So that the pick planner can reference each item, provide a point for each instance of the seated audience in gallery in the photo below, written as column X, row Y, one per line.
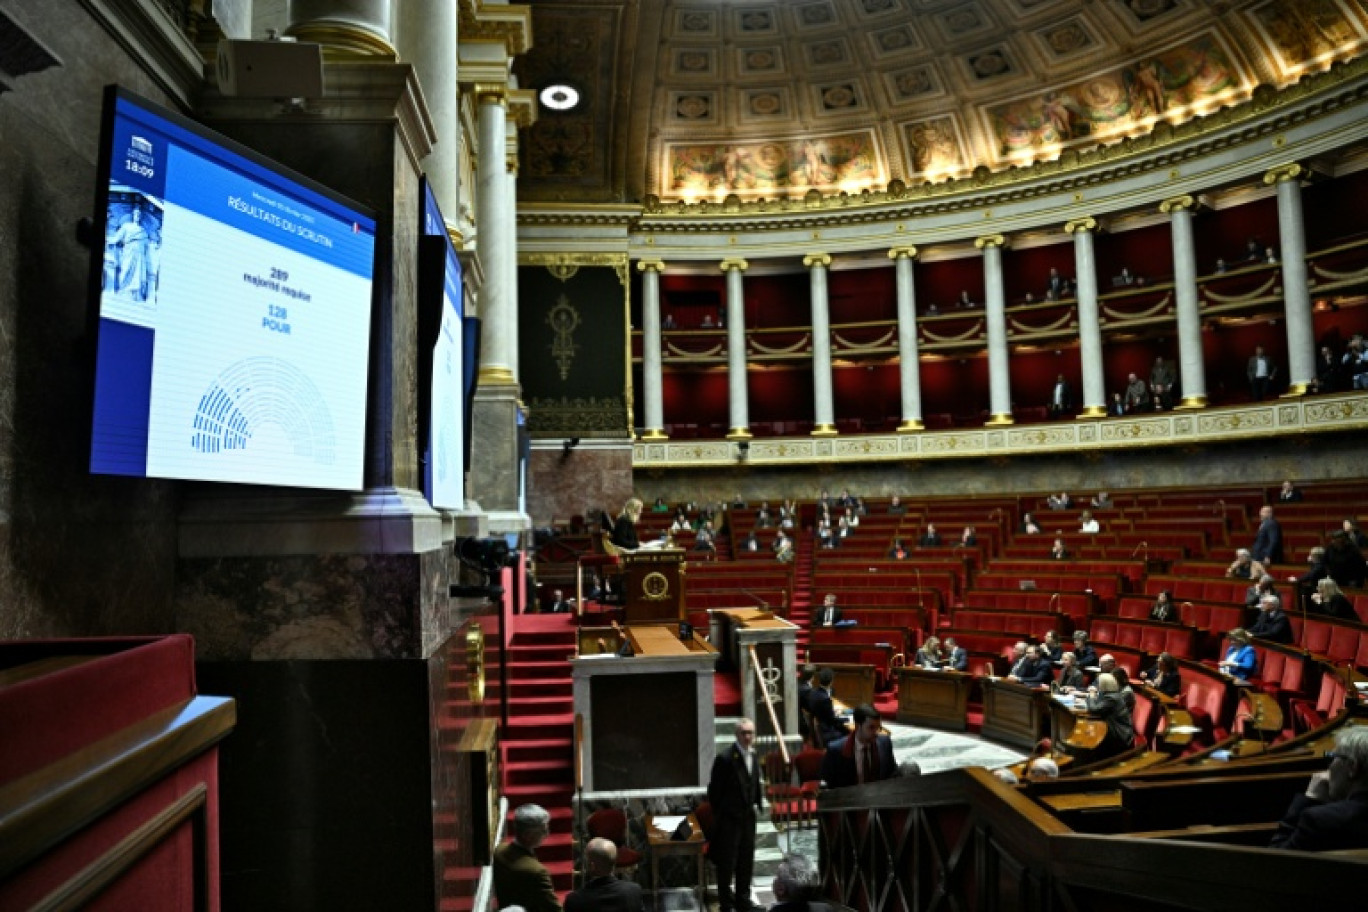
column 1057, row 283
column 1163, row 379
column 1254, row 251
column 1050, row 647
column 1058, row 551
column 1354, row 364
column 1087, row 656
column 1289, row 493
column 1327, row 371
column 829, row 615
column 703, row 540
column 1117, row 407
column 1258, row 589
column 707, row 321
column 1333, row 811
column 826, row 537
column 660, row 506
column 969, row 537
column 1088, row 523
column 1261, row 371
column 1137, row 394
column 1164, row 676
column 1070, row 675
column 852, row 518
column 860, row 508
column 783, row 548
column 895, row 506
column 843, row 528
column 1329, row 600
column 1221, row 267
column 930, row 538
column 929, row 656
column 847, row 499
column 1164, row 609
column 898, row 551
column 1030, row 667
column 1240, row 661
column 1101, row 501
column 1316, row 570
column 956, row 656
column 751, row 543
column 1029, row 525
column 763, row 518
column 667, row 321
column 1243, row 565
column 965, row 302
column 1109, row 705
column 1344, row 560
column 1060, row 501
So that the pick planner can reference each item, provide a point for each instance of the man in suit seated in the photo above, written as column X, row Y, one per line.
column 795, row 880
column 956, row 656
column 829, row 728
column 930, row 538
column 863, row 757
column 1272, row 623
column 602, row 892
column 1031, row 669
column 559, row 605
column 1333, row 813
column 519, row 879
column 828, row 615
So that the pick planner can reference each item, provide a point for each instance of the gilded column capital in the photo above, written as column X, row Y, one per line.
column 1288, row 172
column 1085, row 224
column 344, row 40
column 511, row 164
column 816, row 259
column 736, row 263
column 898, row 253
column 490, row 93
column 1178, row 204
column 645, row 265
column 522, row 107
column 990, row 240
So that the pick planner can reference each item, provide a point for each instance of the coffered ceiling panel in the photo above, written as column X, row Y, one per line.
column 702, row 99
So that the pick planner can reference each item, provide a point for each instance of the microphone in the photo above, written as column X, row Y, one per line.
column 1054, row 600
column 917, row 570
column 1142, row 546
column 755, row 598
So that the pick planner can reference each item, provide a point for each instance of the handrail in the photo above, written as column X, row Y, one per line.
column 578, row 758
column 769, row 704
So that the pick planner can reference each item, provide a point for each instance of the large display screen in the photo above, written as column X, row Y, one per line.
column 441, row 307
column 234, row 301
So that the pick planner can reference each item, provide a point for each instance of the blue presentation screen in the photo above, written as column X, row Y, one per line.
column 446, row 422
column 234, row 312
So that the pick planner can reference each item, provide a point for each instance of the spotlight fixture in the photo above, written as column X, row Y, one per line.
column 560, row 97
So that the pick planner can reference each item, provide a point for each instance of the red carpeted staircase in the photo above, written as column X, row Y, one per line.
column 537, row 744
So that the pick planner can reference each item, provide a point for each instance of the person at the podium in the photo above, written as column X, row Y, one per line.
column 734, row 791
column 519, row 878
column 863, row 757
column 602, row 892
column 624, row 533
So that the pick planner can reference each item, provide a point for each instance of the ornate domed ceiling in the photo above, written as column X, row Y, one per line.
column 691, row 100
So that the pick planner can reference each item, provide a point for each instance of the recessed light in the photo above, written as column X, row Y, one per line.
column 560, row 97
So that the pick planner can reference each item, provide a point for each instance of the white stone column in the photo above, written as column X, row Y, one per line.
column 498, row 302
column 1301, row 334
column 1089, row 319
column 426, row 34
column 651, row 363
column 999, row 375
column 909, row 365
column 824, row 420
column 1191, row 364
column 510, row 259
column 357, row 27
column 736, row 350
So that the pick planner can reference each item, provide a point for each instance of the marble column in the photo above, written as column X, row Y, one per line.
column 498, row 306
column 1191, row 366
column 653, row 402
column 736, row 350
column 427, row 38
column 999, row 376
column 1089, row 319
column 510, row 257
column 1301, row 337
column 346, row 27
column 909, row 365
column 824, row 421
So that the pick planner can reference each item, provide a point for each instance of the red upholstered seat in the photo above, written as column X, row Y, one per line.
column 1343, row 646
column 611, row 824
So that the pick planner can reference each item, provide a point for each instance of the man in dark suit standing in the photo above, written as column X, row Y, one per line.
column 866, row 756
column 1333, row 813
column 828, row 615
column 734, row 790
column 1267, row 547
column 602, row 892
column 519, row 879
column 829, row 728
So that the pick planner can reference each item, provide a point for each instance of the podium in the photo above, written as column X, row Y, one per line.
column 653, row 586
column 735, row 631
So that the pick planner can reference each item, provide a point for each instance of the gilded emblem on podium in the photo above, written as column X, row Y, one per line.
column 655, row 586
column 475, row 663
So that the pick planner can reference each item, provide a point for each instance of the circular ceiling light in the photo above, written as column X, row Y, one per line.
column 560, row 97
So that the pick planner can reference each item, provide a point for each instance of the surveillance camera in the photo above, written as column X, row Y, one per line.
column 270, row 69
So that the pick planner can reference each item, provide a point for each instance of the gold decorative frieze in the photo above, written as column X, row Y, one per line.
column 510, row 23
column 569, row 416
column 1253, row 423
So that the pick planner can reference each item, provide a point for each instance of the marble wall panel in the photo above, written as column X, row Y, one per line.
column 563, row 484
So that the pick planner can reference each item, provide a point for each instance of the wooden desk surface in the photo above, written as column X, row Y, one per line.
column 753, row 618
column 1082, row 801
column 662, row 640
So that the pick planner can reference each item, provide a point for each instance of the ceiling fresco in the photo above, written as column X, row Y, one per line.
column 692, row 100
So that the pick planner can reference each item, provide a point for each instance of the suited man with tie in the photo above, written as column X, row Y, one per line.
column 559, row 605
column 735, row 790
column 866, row 756
column 957, row 657
column 829, row 728
column 1030, row 669
column 828, row 615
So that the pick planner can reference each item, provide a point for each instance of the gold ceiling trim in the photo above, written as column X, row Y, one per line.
column 1253, row 114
